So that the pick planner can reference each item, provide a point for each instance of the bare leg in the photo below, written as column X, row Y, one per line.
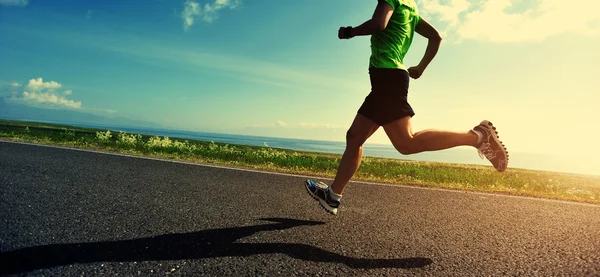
column 401, row 136
column 362, row 128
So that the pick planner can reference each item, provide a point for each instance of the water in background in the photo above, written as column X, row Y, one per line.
column 461, row 155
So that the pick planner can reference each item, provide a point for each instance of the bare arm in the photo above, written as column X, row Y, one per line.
column 433, row 45
column 381, row 17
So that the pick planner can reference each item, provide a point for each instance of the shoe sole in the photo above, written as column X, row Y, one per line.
column 321, row 202
column 497, row 140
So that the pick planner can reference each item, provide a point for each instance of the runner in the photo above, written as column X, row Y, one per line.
column 392, row 29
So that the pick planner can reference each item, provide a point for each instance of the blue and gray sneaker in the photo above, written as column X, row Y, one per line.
column 320, row 192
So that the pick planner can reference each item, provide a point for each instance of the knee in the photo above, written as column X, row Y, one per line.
column 353, row 140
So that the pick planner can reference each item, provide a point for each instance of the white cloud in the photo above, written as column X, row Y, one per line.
column 40, row 93
column 192, row 10
column 39, row 84
column 448, row 12
column 14, row 2
column 49, row 98
column 280, row 124
column 511, row 20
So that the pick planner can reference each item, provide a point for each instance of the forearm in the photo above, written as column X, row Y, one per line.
column 366, row 29
column 433, row 45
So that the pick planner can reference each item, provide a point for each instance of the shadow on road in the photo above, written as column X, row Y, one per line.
column 194, row 245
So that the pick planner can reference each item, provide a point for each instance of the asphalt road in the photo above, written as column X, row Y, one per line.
column 77, row 213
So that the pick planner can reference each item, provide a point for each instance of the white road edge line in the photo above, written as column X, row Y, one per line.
column 296, row 175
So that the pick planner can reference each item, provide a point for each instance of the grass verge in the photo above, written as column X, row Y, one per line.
column 552, row 185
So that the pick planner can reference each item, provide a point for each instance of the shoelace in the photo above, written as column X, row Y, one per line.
column 485, row 151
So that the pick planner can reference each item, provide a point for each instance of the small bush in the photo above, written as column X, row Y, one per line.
column 103, row 137
column 128, row 139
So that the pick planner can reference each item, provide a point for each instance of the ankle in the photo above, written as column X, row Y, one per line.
column 334, row 195
column 478, row 137
column 334, row 188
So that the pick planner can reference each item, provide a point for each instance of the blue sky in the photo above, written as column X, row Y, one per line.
column 277, row 68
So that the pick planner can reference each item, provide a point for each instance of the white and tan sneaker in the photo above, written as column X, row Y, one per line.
column 490, row 146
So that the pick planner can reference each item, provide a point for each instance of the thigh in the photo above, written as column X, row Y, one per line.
column 399, row 131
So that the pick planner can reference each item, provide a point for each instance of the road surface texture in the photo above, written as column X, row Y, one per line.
column 79, row 213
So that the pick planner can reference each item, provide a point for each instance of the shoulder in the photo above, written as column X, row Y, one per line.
column 394, row 3
column 408, row 3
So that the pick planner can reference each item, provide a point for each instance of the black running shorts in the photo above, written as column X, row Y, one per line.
column 387, row 101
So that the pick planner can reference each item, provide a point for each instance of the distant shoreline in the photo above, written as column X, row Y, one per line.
column 458, row 156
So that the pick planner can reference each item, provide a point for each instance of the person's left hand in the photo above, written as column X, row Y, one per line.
column 342, row 33
column 415, row 72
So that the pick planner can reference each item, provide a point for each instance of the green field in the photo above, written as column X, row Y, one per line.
column 574, row 187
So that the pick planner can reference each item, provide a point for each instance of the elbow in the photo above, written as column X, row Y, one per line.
column 436, row 38
column 379, row 25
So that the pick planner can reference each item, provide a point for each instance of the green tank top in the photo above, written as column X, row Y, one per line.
column 388, row 47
